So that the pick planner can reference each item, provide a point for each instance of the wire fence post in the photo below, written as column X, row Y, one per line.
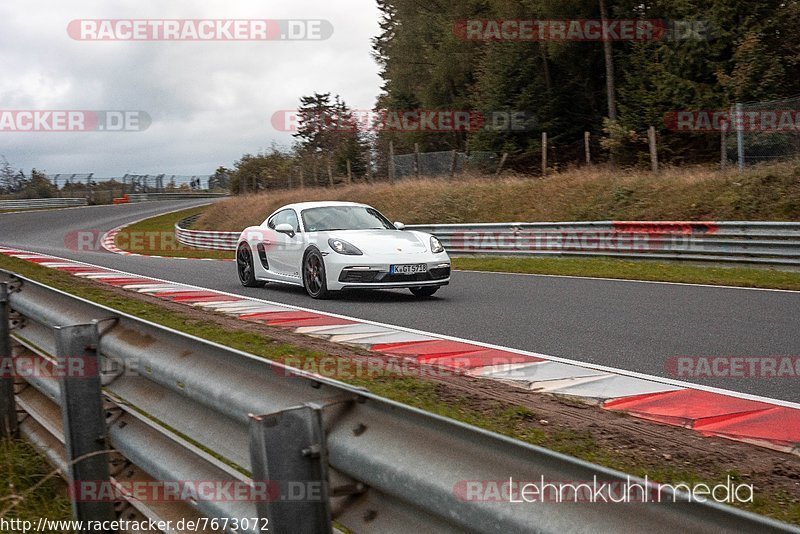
column 453, row 163
column 651, row 139
column 8, row 406
column 349, row 172
column 740, row 135
column 83, row 418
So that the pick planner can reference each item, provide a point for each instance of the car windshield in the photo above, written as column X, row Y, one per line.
column 331, row 218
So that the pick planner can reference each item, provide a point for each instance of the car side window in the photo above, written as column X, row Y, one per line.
column 284, row 217
column 292, row 219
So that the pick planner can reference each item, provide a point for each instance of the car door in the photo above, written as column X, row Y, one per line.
column 284, row 251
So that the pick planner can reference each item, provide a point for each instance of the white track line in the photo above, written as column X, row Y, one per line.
column 630, row 280
column 603, row 368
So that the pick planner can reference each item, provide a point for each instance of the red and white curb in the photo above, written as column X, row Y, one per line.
column 711, row 411
column 109, row 243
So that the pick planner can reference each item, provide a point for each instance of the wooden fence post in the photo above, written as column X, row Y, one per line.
column 544, row 153
column 586, row 136
column 391, row 162
column 349, row 173
column 723, row 146
column 502, row 162
column 416, row 160
column 651, row 136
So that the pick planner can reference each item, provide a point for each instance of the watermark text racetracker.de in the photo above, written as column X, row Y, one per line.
column 28, row 366
column 61, row 120
column 591, row 30
column 200, row 30
column 718, row 120
column 743, row 367
column 408, row 120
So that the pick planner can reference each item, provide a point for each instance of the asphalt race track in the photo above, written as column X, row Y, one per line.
column 628, row 325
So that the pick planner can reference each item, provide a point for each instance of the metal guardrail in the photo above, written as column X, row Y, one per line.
column 174, row 407
column 203, row 238
column 40, row 203
column 149, row 197
column 771, row 243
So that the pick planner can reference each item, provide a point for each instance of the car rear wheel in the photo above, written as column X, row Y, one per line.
column 314, row 278
column 245, row 268
column 424, row 291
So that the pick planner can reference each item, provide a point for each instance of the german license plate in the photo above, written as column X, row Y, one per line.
column 408, row 269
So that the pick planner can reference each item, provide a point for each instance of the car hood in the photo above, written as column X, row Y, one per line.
column 383, row 241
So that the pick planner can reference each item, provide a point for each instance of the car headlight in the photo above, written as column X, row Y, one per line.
column 436, row 245
column 343, row 247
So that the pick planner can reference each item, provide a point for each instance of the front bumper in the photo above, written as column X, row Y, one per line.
column 347, row 272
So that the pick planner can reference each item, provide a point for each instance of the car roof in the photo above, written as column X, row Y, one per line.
column 299, row 206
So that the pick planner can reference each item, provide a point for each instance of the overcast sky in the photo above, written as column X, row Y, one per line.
column 210, row 102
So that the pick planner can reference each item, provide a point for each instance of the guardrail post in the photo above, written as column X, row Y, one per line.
column 288, row 454
column 84, row 421
column 8, row 406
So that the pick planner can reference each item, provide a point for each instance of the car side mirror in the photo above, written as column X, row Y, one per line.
column 399, row 226
column 285, row 228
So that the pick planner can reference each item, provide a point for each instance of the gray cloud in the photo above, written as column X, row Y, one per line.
column 209, row 101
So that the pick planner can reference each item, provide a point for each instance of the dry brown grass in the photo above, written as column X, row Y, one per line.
column 768, row 192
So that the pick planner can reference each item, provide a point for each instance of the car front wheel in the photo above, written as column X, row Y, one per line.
column 424, row 291
column 245, row 268
column 314, row 278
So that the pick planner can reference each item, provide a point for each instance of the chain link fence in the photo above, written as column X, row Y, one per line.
column 763, row 131
column 445, row 163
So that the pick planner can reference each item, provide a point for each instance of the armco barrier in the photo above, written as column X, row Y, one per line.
column 204, row 239
column 149, row 197
column 41, row 203
column 179, row 408
column 770, row 243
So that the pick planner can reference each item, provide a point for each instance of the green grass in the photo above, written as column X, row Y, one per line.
column 155, row 237
column 634, row 270
column 510, row 420
column 24, row 476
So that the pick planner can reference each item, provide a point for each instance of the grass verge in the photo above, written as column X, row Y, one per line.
column 516, row 421
column 768, row 192
column 24, row 493
column 634, row 270
column 156, row 237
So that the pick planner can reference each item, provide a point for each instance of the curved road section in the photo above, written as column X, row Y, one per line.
column 637, row 326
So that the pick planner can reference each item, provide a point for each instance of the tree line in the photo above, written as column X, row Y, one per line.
column 707, row 56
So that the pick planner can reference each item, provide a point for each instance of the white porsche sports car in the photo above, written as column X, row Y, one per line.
column 329, row 246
